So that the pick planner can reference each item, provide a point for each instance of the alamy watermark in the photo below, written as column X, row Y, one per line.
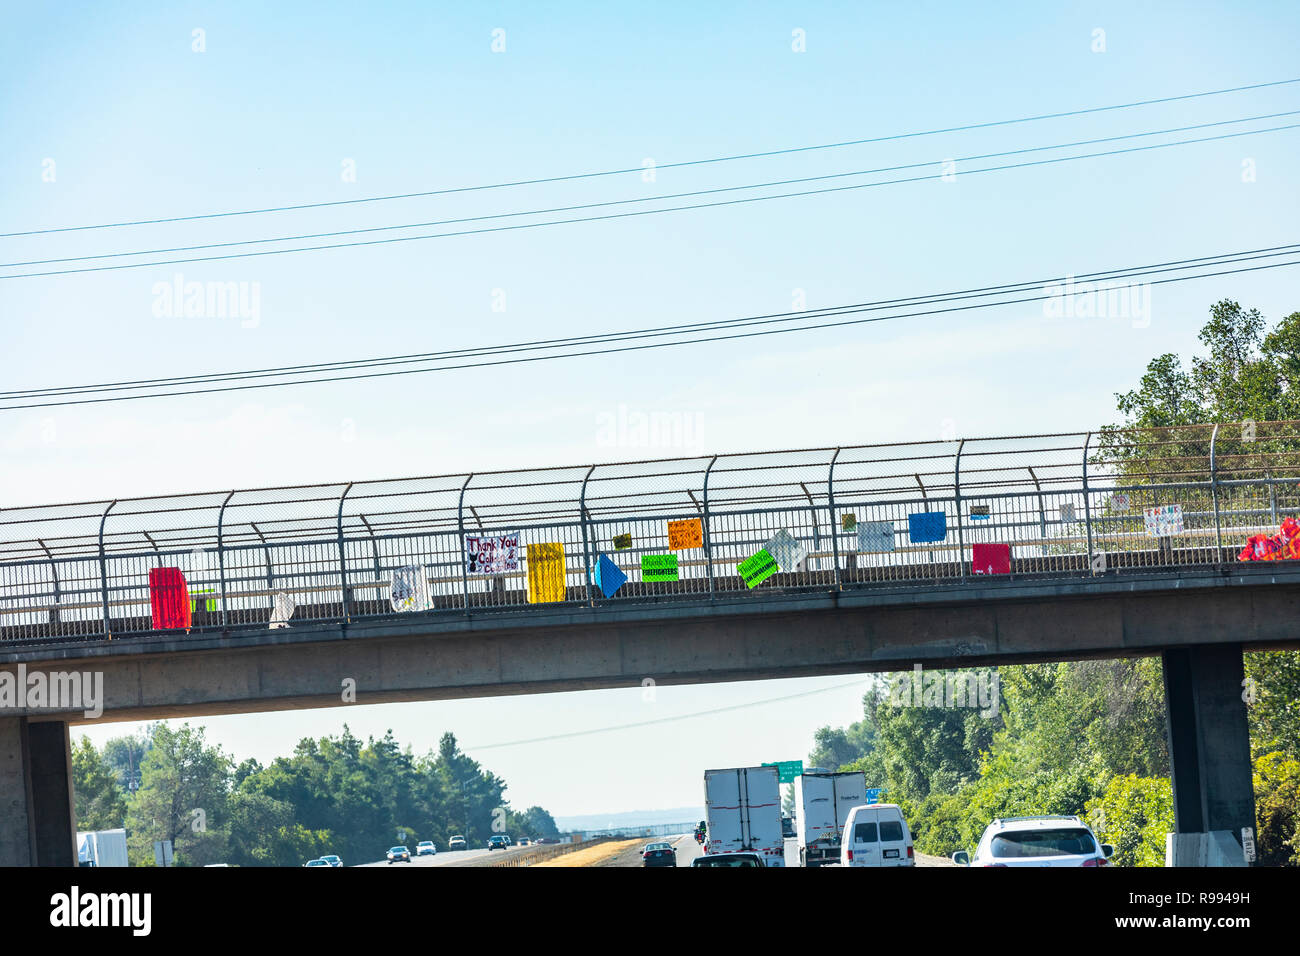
column 637, row 428
column 179, row 299
column 972, row 689
column 1102, row 300
column 57, row 690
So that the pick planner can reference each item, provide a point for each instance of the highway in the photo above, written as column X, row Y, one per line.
column 451, row 858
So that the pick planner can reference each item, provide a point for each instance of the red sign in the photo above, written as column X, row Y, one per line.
column 990, row 558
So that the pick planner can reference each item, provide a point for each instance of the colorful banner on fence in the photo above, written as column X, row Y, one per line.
column 491, row 553
column 545, row 572
column 609, row 577
column 990, row 559
column 169, row 599
column 1163, row 520
column 659, row 567
column 757, row 568
column 685, row 534
column 410, row 589
column 785, row 550
column 876, row 536
column 927, row 526
column 848, row 522
column 622, row 542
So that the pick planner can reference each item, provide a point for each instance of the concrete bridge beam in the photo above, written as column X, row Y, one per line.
column 36, row 794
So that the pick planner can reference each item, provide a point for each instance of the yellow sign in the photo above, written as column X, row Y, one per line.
column 685, row 534
column 545, row 572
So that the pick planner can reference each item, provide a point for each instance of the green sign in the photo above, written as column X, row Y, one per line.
column 658, row 567
column 757, row 569
column 210, row 604
column 622, row 542
column 787, row 770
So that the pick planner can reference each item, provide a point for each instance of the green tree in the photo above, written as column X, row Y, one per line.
column 182, row 798
column 1277, row 810
column 1133, row 815
column 98, row 800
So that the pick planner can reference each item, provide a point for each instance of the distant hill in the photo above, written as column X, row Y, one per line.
column 591, row 821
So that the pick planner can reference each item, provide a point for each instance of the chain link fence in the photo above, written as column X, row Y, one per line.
column 918, row 514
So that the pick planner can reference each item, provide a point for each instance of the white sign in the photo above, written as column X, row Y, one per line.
column 785, row 550
column 282, row 610
column 876, row 536
column 1248, row 843
column 491, row 554
column 410, row 589
column 1119, row 502
column 1163, row 520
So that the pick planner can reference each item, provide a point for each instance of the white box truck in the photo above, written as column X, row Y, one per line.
column 742, row 811
column 102, row 848
column 822, row 804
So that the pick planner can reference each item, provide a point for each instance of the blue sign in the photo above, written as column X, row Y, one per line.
column 608, row 576
column 927, row 526
column 875, row 793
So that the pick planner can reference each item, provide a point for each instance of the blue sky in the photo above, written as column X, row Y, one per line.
column 138, row 125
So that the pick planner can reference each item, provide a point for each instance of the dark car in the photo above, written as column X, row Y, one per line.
column 729, row 859
column 399, row 854
column 659, row 854
column 787, row 827
column 498, row 842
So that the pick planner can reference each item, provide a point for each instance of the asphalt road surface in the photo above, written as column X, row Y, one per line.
column 450, row 858
column 688, row 849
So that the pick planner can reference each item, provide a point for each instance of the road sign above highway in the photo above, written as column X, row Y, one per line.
column 787, row 770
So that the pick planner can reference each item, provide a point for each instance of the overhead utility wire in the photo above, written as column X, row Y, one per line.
column 642, row 199
column 643, row 212
column 630, row 348
column 657, row 331
column 678, row 165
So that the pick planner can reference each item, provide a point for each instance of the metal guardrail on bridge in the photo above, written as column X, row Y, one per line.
column 918, row 514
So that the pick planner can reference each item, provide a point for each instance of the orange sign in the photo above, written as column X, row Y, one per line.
column 685, row 534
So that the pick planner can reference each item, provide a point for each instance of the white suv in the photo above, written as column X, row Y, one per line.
column 1037, row 841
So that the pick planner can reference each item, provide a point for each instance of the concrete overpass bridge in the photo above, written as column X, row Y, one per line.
column 736, row 567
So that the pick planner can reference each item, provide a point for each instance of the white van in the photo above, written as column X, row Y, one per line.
column 876, row 835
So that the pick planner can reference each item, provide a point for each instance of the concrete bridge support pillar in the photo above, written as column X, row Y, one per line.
column 37, row 827
column 1209, row 755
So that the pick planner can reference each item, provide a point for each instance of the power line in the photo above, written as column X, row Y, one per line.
column 657, row 331
column 643, row 199
column 678, row 165
column 663, row 720
column 644, row 212
column 631, row 348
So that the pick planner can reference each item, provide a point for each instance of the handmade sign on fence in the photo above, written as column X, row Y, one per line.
column 491, row 553
column 1163, row 520
column 545, row 572
column 608, row 576
column 410, row 589
column 282, row 608
column 685, row 534
column 876, row 536
column 622, row 542
column 990, row 559
column 659, row 567
column 757, row 568
column 927, row 526
column 786, row 550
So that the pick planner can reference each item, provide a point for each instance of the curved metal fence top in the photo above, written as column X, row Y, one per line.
column 939, row 470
